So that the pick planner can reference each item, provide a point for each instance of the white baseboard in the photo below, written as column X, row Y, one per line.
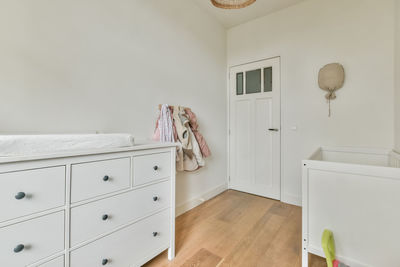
column 291, row 199
column 194, row 202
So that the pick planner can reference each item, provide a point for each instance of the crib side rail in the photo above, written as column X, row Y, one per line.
column 364, row 196
column 394, row 159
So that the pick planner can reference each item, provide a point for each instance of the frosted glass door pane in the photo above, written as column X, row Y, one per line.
column 253, row 81
column 268, row 79
column 239, row 83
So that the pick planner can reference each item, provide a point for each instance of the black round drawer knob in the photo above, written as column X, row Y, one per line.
column 20, row 195
column 19, row 248
column 155, row 168
column 104, row 262
column 104, row 217
column 155, row 198
column 106, row 178
column 155, row 234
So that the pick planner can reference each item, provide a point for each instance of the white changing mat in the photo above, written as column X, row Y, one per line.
column 27, row 145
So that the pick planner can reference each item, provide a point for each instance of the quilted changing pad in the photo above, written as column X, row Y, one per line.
column 27, row 145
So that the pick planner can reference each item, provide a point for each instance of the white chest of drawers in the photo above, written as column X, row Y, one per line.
column 86, row 209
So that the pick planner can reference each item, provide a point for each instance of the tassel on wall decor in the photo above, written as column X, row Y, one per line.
column 331, row 79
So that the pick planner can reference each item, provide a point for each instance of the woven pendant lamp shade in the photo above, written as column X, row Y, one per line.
column 232, row 4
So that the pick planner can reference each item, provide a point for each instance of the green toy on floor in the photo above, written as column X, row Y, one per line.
column 328, row 245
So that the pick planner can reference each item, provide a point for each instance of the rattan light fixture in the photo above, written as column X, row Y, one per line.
column 232, row 4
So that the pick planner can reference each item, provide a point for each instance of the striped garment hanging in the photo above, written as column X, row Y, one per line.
column 165, row 125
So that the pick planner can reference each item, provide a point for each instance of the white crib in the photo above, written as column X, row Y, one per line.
column 354, row 192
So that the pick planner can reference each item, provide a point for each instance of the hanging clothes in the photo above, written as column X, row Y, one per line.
column 183, row 138
column 180, row 125
column 189, row 163
column 165, row 125
column 179, row 159
column 196, row 150
column 181, row 128
column 205, row 150
column 162, row 118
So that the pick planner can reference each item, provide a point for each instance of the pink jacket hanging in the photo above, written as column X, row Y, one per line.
column 205, row 150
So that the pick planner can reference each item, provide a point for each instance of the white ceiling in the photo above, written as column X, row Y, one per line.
column 230, row 18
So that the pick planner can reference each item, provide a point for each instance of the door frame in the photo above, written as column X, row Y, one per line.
column 228, row 133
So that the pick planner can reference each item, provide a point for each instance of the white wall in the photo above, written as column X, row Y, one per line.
column 97, row 65
column 397, row 77
column 360, row 35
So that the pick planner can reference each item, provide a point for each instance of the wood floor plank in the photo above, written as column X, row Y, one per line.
column 281, row 209
column 316, row 261
column 255, row 242
column 285, row 248
column 203, row 258
column 238, row 229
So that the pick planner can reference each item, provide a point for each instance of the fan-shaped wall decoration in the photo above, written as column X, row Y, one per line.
column 232, row 4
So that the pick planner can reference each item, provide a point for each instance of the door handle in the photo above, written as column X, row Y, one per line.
column 273, row 130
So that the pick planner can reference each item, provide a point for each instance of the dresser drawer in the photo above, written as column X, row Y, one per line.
column 127, row 246
column 27, row 192
column 93, row 219
column 152, row 167
column 93, row 179
column 27, row 242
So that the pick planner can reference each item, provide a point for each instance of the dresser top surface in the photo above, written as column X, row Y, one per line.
column 144, row 145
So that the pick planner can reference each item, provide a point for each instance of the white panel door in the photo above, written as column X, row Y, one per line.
column 255, row 128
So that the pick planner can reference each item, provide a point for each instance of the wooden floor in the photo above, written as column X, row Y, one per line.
column 238, row 229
